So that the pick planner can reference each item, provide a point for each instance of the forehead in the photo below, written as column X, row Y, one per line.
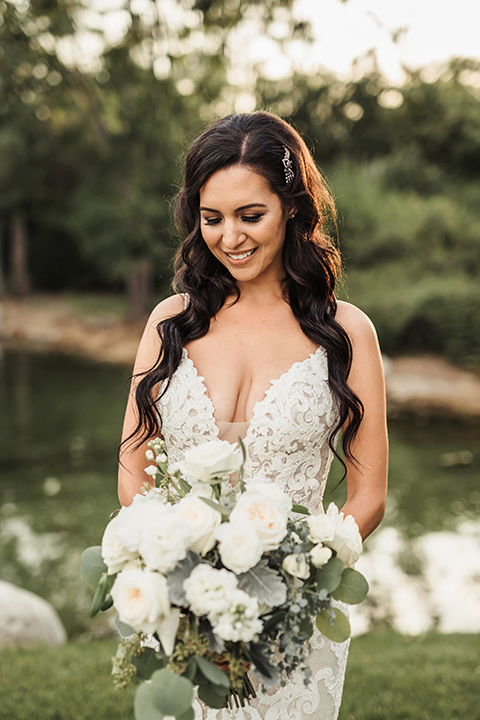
column 236, row 186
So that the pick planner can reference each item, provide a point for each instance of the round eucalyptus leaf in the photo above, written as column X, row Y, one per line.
column 329, row 576
column 172, row 694
column 92, row 566
column 337, row 630
column 212, row 672
column 353, row 587
column 143, row 706
column 189, row 715
column 212, row 695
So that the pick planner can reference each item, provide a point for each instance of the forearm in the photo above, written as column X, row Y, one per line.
column 367, row 511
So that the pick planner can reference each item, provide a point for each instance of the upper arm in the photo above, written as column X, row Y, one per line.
column 131, row 472
column 368, row 476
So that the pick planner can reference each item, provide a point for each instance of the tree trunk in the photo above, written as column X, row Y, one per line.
column 139, row 289
column 19, row 275
column 2, row 271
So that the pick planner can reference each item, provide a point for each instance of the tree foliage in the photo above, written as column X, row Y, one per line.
column 90, row 155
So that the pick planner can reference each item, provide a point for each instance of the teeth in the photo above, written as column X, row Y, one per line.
column 242, row 256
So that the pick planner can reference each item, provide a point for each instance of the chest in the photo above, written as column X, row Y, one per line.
column 238, row 360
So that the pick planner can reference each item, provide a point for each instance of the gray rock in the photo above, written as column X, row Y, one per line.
column 26, row 619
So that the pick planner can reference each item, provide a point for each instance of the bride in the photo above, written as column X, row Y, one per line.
column 256, row 345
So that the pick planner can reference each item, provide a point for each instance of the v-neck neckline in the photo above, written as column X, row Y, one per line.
column 259, row 403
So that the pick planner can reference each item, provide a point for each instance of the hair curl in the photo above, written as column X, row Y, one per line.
column 311, row 260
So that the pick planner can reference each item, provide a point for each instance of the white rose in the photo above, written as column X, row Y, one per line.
column 208, row 590
column 201, row 519
column 266, row 515
column 319, row 555
column 270, row 489
column 347, row 541
column 297, row 566
column 114, row 553
column 211, row 460
column 164, row 540
column 241, row 621
column 240, row 547
column 132, row 519
column 321, row 528
column 141, row 599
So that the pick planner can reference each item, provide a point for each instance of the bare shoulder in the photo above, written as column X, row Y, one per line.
column 166, row 308
column 149, row 347
column 356, row 323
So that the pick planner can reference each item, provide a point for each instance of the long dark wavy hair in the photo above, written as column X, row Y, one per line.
column 310, row 258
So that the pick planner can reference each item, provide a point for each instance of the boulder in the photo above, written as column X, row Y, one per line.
column 26, row 619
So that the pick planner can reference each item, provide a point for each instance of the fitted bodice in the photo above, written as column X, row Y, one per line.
column 287, row 436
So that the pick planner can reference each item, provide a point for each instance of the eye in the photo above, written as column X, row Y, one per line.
column 211, row 221
column 252, row 218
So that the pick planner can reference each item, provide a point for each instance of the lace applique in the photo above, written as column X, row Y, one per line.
column 287, row 442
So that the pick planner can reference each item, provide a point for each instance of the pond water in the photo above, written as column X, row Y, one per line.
column 61, row 420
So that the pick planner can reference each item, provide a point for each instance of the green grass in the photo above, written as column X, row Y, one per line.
column 393, row 677
column 67, row 683
column 389, row 677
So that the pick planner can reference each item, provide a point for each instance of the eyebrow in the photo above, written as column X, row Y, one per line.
column 243, row 207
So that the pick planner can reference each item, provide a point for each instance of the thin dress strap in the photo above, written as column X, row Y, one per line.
column 185, row 300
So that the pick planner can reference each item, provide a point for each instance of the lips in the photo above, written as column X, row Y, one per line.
column 240, row 258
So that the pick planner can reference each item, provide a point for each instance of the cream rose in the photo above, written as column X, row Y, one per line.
column 296, row 565
column 240, row 547
column 141, row 599
column 208, row 590
column 267, row 516
column 114, row 553
column 320, row 554
column 131, row 520
column 347, row 541
column 201, row 520
column 263, row 486
column 164, row 540
column 321, row 528
column 211, row 461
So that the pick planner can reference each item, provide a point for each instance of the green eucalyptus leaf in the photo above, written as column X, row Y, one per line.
column 191, row 671
column 212, row 695
column 143, row 706
column 147, row 663
column 300, row 509
column 188, row 715
column 353, row 587
column 330, row 575
column 124, row 629
column 212, row 672
column 338, row 629
column 92, row 566
column 172, row 694
column 306, row 627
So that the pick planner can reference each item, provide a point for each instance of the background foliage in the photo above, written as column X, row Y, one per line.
column 90, row 159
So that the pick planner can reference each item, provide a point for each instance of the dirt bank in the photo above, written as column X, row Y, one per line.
column 53, row 323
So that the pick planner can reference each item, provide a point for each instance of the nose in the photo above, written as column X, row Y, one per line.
column 233, row 236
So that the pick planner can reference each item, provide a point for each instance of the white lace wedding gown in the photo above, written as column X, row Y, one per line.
column 287, row 442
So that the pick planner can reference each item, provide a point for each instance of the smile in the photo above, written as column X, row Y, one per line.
column 241, row 256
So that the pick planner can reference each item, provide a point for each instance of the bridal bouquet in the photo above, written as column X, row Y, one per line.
column 214, row 576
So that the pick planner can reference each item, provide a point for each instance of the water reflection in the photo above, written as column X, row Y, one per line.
column 61, row 420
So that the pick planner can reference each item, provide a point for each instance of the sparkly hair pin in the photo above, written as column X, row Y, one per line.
column 288, row 166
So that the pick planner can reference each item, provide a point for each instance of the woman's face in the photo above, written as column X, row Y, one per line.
column 243, row 224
